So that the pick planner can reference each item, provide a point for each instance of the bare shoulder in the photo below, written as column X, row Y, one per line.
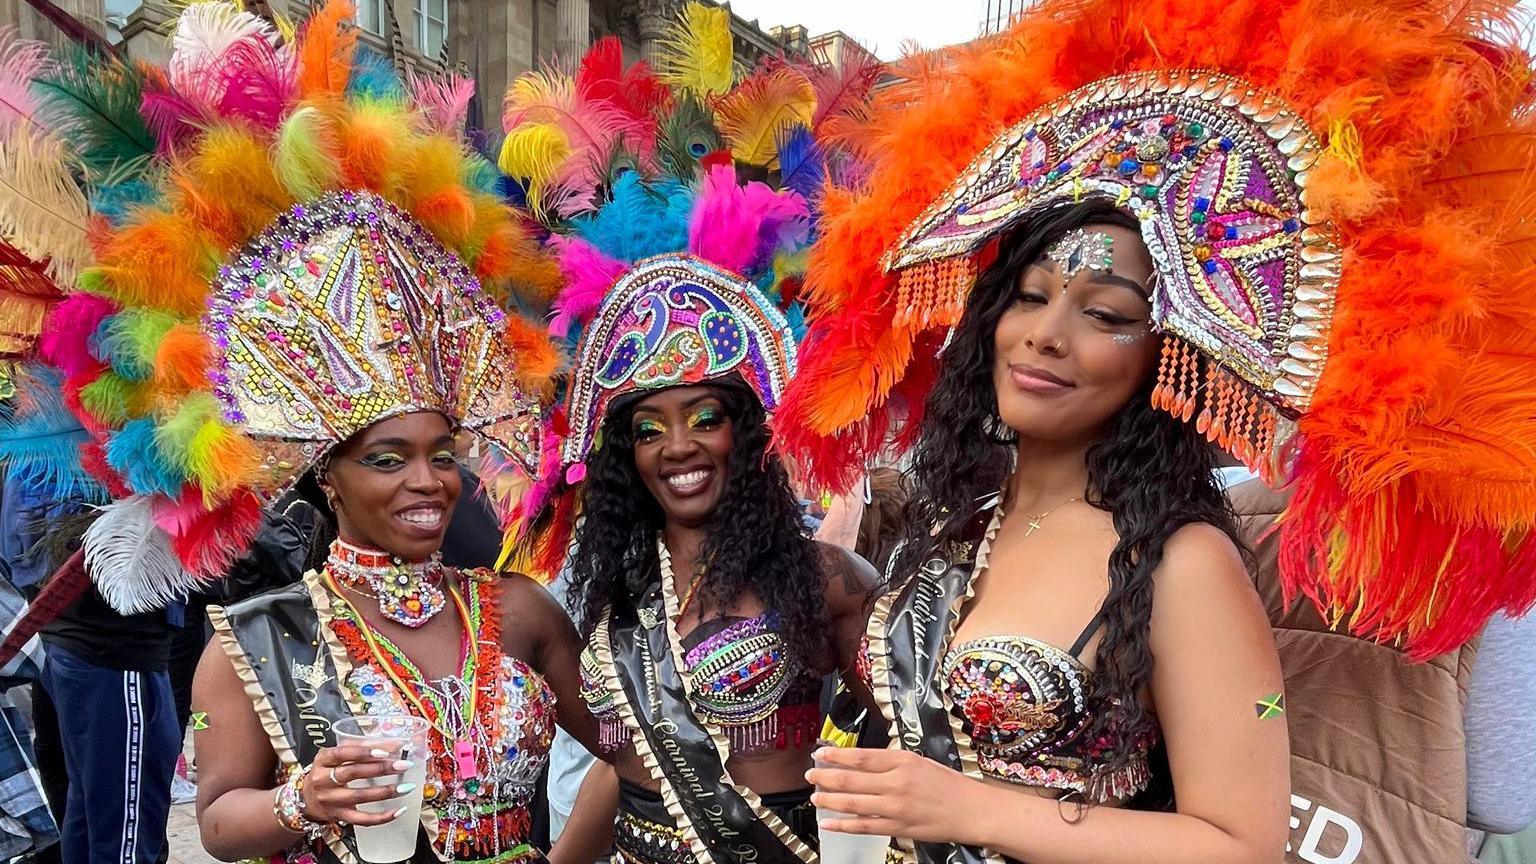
column 1199, row 558
column 1202, row 586
column 525, row 599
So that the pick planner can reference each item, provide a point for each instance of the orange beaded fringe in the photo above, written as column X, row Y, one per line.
column 1230, row 413
column 932, row 293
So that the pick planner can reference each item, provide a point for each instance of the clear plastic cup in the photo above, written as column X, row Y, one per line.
column 840, row 848
column 404, row 737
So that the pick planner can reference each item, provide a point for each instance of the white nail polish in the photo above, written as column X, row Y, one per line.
column 402, row 765
column 404, row 789
column 398, row 813
column 378, row 753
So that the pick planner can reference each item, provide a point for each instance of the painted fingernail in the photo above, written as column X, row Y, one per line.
column 402, row 765
column 378, row 753
column 404, row 788
column 398, row 813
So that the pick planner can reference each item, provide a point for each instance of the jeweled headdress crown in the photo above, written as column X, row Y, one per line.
column 1340, row 251
column 293, row 244
column 678, row 268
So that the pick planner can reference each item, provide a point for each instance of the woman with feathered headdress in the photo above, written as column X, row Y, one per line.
column 298, row 279
column 710, row 617
column 1088, row 249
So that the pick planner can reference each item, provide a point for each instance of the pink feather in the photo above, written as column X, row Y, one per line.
column 20, row 62
column 65, row 342
column 593, row 127
column 172, row 116
column 442, row 100
column 176, row 516
column 542, row 490
column 588, row 276
column 635, row 91
column 209, row 541
column 740, row 227
column 842, row 91
column 259, row 81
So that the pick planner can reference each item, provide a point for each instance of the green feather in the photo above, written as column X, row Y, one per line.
column 687, row 135
column 620, row 162
column 131, row 340
column 110, row 398
column 94, row 103
column 179, row 435
column 301, row 156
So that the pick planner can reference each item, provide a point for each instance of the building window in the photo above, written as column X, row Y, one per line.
column 371, row 16
column 431, row 26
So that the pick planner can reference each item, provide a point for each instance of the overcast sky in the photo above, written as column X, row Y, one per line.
column 878, row 24
column 884, row 24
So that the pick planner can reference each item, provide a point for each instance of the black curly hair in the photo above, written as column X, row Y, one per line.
column 754, row 541
column 1152, row 473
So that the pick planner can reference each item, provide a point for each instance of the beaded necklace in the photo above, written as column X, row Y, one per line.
column 408, row 593
column 481, row 665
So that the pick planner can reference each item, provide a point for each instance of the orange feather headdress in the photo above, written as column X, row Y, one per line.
column 1338, row 195
column 290, row 244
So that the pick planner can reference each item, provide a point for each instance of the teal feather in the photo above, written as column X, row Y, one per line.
column 130, row 339
column 40, row 439
column 374, row 77
column 481, row 175
column 642, row 220
column 94, row 104
column 132, row 453
column 116, row 202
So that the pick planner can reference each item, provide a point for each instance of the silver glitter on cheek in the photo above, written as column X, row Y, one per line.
column 1129, row 338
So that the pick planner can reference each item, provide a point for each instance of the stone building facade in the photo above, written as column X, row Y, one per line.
column 493, row 41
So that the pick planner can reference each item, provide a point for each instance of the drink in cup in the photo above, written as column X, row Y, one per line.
column 840, row 848
column 404, row 737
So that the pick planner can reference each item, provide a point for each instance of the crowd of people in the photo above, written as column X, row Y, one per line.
column 1109, row 440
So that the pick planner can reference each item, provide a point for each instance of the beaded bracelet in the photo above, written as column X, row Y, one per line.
column 288, row 807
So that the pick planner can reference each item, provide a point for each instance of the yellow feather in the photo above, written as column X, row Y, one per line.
column 285, row 27
column 42, row 210
column 696, row 55
column 754, row 114
column 305, row 153
column 534, row 152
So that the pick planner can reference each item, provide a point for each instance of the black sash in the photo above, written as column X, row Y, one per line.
column 723, row 823
column 909, row 633
column 271, row 638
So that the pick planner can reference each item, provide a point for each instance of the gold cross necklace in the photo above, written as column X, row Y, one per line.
column 1037, row 519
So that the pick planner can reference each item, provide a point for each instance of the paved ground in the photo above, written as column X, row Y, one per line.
column 182, row 832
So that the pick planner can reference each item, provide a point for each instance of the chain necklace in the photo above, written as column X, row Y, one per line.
column 1036, row 520
column 408, row 594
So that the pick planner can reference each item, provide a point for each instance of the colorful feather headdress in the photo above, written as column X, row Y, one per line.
column 290, row 245
column 43, row 245
column 678, row 269
column 1337, row 195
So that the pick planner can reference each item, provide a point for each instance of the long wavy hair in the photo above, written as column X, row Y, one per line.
column 754, row 540
column 1152, row 473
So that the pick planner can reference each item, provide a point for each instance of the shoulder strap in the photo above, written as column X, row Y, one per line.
column 1083, row 638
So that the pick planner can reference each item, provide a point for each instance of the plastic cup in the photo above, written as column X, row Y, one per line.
column 840, row 848
column 405, row 738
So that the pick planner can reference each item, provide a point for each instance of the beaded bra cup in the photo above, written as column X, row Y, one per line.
column 747, row 680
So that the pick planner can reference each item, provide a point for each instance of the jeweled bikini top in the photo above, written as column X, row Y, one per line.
column 1027, row 707
column 745, row 680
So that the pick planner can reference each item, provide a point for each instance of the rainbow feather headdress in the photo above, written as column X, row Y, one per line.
column 678, row 268
column 290, row 245
column 1337, row 196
